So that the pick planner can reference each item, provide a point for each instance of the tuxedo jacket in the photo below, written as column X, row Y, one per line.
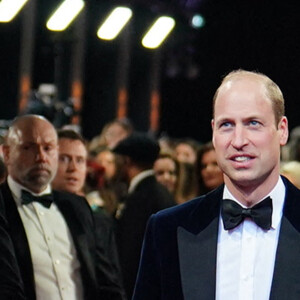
column 96, row 278
column 180, row 249
column 11, row 285
column 148, row 198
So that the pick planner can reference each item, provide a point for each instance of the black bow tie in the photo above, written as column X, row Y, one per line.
column 233, row 214
column 45, row 200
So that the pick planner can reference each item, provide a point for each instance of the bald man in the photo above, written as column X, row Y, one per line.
column 52, row 232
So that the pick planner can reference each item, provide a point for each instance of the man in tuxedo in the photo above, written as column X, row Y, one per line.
column 145, row 197
column 53, row 233
column 70, row 177
column 242, row 240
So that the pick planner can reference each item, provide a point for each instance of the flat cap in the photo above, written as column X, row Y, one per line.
column 139, row 147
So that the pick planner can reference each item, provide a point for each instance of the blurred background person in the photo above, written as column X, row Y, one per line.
column 111, row 134
column 186, row 150
column 166, row 144
column 209, row 173
column 179, row 178
column 107, row 159
column 145, row 197
column 291, row 151
column 166, row 169
column 109, row 187
column 291, row 170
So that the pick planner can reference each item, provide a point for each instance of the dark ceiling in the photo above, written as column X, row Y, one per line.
column 251, row 34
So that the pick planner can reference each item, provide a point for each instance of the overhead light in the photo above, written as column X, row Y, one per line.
column 114, row 23
column 197, row 21
column 10, row 8
column 64, row 15
column 158, row 32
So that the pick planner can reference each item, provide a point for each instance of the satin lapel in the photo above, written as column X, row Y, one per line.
column 19, row 238
column 286, row 278
column 197, row 255
column 198, row 250
column 79, row 233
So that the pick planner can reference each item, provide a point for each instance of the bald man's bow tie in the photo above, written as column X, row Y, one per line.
column 45, row 200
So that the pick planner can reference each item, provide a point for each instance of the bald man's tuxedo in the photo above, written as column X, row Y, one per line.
column 98, row 282
column 180, row 249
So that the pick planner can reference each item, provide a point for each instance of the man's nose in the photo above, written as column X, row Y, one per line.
column 239, row 138
column 41, row 154
column 167, row 175
column 72, row 166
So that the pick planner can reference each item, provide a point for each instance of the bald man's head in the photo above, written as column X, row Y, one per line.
column 31, row 152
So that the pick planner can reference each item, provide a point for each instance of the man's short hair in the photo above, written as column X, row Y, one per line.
column 71, row 135
column 272, row 90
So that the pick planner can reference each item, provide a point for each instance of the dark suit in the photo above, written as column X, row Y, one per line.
column 180, row 248
column 148, row 197
column 11, row 285
column 96, row 280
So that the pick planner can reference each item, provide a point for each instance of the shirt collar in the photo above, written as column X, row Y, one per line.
column 17, row 188
column 138, row 178
column 277, row 195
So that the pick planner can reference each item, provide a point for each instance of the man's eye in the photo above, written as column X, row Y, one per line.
column 64, row 159
column 81, row 160
column 225, row 124
column 254, row 123
column 48, row 148
column 25, row 147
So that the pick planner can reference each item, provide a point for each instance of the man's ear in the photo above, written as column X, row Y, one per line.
column 284, row 131
column 5, row 150
column 212, row 122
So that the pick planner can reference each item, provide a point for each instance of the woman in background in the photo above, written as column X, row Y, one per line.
column 209, row 173
column 178, row 178
column 166, row 170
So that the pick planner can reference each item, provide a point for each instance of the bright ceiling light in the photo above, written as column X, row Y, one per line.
column 197, row 21
column 64, row 15
column 158, row 32
column 10, row 8
column 114, row 23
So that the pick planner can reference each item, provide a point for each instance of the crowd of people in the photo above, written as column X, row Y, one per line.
column 74, row 213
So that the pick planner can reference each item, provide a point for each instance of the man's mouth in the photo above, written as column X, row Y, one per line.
column 72, row 179
column 41, row 170
column 241, row 158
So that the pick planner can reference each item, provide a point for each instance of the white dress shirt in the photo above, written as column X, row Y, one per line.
column 246, row 254
column 55, row 264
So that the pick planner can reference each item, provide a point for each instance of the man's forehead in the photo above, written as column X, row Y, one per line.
column 244, row 88
column 34, row 139
column 70, row 146
column 248, row 80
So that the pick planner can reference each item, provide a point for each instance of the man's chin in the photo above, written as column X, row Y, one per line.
column 40, row 179
column 72, row 188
